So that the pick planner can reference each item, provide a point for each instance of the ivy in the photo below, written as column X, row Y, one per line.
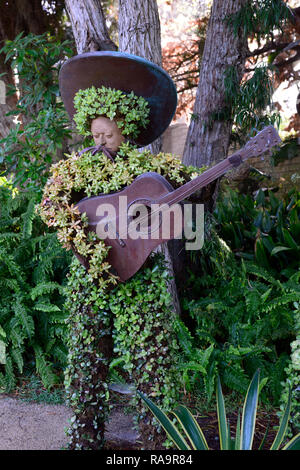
column 90, row 175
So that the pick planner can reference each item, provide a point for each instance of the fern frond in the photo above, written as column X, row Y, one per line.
column 28, row 216
column 9, row 378
column 282, row 300
column 260, row 272
column 25, row 320
column 45, row 288
column 184, row 337
column 17, row 356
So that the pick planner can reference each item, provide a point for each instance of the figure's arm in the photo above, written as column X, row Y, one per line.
column 57, row 209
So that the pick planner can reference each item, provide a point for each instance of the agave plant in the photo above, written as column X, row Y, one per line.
column 192, row 437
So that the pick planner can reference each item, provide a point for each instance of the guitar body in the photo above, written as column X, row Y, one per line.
column 119, row 219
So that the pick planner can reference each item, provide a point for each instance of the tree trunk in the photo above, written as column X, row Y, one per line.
column 139, row 34
column 208, row 138
column 88, row 25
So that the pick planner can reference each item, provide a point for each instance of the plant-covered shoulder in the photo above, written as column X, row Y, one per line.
column 128, row 110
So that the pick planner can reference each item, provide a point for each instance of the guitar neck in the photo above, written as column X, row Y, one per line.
column 200, row 181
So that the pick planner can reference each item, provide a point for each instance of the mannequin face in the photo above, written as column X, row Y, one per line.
column 106, row 132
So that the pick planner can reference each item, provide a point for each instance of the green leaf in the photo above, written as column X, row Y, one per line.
column 249, row 413
column 191, row 428
column 223, row 432
column 289, row 240
column 278, row 249
column 25, row 320
column 283, row 425
column 293, row 444
column 238, row 434
column 46, row 308
column 168, row 426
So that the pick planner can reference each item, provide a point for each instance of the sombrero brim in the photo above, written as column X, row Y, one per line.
column 124, row 72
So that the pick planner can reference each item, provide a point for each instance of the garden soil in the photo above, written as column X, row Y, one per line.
column 35, row 426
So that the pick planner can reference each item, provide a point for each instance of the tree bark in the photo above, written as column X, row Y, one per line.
column 139, row 34
column 208, row 139
column 88, row 25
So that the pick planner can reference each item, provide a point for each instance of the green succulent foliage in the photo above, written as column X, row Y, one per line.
column 130, row 111
column 264, row 229
column 32, row 315
column 29, row 149
column 187, row 435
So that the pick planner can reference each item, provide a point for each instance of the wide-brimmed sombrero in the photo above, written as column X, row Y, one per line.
column 127, row 73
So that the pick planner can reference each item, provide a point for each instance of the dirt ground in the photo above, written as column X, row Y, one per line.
column 35, row 426
column 32, row 426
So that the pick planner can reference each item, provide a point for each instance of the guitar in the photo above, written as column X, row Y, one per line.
column 134, row 221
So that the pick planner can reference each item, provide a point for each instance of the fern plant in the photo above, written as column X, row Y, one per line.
column 32, row 272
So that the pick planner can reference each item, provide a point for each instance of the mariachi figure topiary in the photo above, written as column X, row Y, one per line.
column 124, row 103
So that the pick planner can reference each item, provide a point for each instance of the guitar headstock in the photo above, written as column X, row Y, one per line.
column 262, row 142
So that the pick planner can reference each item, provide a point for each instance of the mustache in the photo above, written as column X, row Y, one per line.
column 100, row 148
